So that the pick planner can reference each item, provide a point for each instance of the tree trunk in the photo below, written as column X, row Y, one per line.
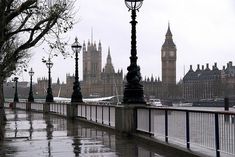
column 2, row 100
column 2, row 112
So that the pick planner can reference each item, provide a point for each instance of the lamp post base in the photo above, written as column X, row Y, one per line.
column 77, row 95
column 49, row 97
column 30, row 98
column 16, row 99
column 133, row 94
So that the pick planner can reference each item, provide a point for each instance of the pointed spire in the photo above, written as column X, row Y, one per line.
column 84, row 46
column 58, row 81
column 168, row 33
column 89, row 43
column 109, row 66
column 95, row 45
column 169, row 44
column 99, row 47
column 109, row 60
column 109, row 51
column 152, row 79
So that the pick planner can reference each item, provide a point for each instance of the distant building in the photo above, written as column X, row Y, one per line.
column 168, row 55
column 112, row 81
column 96, row 82
column 209, row 84
column 202, row 83
column 165, row 88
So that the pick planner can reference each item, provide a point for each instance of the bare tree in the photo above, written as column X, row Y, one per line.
column 25, row 23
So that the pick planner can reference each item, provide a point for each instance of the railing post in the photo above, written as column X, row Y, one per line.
column 166, row 126
column 81, row 111
column 13, row 105
column 72, row 110
column 28, row 106
column 102, row 114
column 109, row 117
column 96, row 113
column 90, row 113
column 187, row 130
column 149, row 121
column 46, row 107
column 217, row 142
column 86, row 111
column 60, row 109
column 126, row 118
column 135, row 118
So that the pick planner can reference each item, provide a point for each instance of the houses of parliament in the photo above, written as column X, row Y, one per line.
column 98, row 81
column 105, row 81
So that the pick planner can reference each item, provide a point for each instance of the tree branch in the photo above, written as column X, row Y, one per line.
column 31, row 42
column 17, row 11
column 19, row 29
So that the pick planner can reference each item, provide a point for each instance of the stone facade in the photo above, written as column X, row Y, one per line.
column 96, row 82
column 209, row 84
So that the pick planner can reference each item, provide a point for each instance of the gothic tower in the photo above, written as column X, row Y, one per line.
column 92, row 60
column 168, row 55
column 109, row 66
column 112, row 81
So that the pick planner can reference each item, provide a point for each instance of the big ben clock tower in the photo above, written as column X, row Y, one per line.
column 168, row 53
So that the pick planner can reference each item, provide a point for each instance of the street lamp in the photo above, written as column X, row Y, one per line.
column 30, row 98
column 133, row 91
column 16, row 99
column 49, row 97
column 77, row 95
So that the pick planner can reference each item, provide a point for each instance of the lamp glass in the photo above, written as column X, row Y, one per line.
column 49, row 64
column 134, row 4
column 31, row 72
column 76, row 46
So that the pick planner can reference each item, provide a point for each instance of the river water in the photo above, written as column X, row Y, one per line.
column 35, row 134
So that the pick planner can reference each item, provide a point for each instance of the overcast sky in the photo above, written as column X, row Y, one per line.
column 203, row 32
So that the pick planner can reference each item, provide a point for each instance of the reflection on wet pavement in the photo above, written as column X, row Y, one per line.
column 35, row 134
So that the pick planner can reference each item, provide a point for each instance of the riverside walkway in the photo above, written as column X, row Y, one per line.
column 151, row 131
column 37, row 134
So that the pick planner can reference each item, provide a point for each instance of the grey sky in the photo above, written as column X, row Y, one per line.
column 203, row 32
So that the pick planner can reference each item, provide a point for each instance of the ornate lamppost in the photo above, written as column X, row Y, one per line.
column 16, row 99
column 77, row 95
column 31, row 98
column 133, row 91
column 49, row 97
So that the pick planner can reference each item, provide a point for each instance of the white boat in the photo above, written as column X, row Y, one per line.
column 155, row 102
column 62, row 99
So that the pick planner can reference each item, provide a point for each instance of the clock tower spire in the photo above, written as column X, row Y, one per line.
column 168, row 55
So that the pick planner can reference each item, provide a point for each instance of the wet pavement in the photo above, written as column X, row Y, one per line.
column 35, row 134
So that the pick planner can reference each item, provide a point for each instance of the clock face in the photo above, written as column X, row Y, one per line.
column 172, row 53
column 163, row 53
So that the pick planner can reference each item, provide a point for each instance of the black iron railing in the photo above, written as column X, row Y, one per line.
column 191, row 128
